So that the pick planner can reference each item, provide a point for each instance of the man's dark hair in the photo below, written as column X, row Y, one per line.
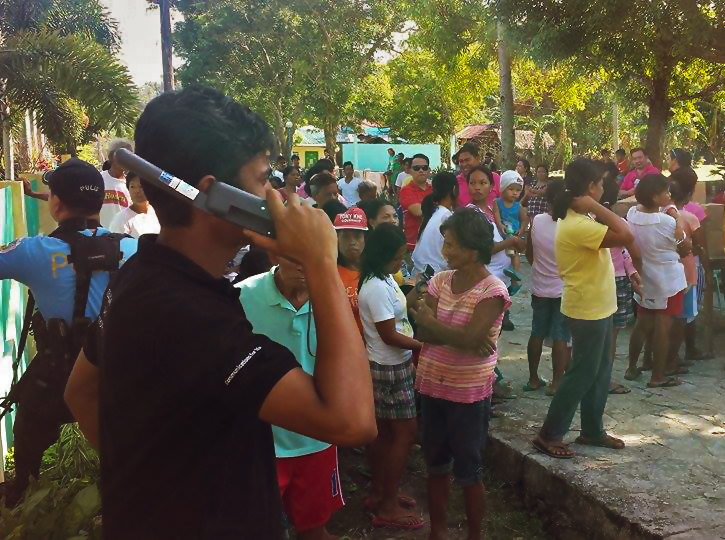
column 420, row 156
column 321, row 180
column 637, row 149
column 621, row 152
column 649, row 187
column 333, row 208
column 472, row 231
column 319, row 166
column 542, row 166
column 408, row 161
column 470, row 148
column 295, row 157
column 348, row 163
column 193, row 133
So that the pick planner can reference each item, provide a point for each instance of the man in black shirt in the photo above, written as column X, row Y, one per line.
column 187, row 390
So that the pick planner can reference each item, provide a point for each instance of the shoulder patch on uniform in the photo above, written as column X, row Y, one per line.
column 11, row 246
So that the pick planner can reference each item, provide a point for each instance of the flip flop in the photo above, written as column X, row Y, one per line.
column 605, row 442
column 671, row 381
column 405, row 523
column 403, row 500
column 632, row 374
column 542, row 384
column 548, row 449
column 619, row 389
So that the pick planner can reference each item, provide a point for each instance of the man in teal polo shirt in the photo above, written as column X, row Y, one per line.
column 277, row 305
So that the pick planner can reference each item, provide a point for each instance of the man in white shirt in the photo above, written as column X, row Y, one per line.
column 116, row 197
column 139, row 218
column 349, row 183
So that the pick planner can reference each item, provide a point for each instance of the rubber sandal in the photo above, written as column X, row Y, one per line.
column 619, row 389
column 542, row 384
column 546, row 449
column 671, row 381
column 632, row 374
column 406, row 523
column 511, row 273
column 605, row 442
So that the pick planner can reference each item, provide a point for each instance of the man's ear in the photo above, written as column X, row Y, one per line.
column 205, row 183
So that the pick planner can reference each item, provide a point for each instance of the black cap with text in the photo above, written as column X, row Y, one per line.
column 77, row 183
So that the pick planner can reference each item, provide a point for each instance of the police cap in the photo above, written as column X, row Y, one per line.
column 78, row 184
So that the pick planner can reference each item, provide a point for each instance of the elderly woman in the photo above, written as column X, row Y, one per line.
column 459, row 321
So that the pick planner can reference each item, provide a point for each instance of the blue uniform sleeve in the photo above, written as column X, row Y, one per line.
column 16, row 260
column 128, row 247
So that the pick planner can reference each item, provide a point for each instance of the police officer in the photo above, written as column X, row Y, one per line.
column 67, row 273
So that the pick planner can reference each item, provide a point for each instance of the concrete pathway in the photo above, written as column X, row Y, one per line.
column 669, row 482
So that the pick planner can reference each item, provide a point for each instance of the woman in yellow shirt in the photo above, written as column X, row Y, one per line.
column 585, row 232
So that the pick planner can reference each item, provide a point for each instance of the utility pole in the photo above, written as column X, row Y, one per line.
column 508, row 142
column 166, row 50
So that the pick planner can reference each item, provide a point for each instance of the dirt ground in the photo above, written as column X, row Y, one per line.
column 506, row 518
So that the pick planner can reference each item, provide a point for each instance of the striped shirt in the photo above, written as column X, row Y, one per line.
column 446, row 372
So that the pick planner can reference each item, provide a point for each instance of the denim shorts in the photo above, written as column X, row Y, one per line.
column 547, row 320
column 454, row 435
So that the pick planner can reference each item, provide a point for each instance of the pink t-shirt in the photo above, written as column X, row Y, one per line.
column 634, row 176
column 622, row 261
column 545, row 279
column 445, row 372
column 690, row 262
column 464, row 197
column 696, row 210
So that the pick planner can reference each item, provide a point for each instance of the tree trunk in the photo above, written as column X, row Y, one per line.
column 508, row 138
column 615, row 126
column 8, row 164
column 166, row 48
column 330, row 127
column 659, row 115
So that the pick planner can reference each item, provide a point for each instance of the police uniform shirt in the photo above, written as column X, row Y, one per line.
column 41, row 263
column 182, row 379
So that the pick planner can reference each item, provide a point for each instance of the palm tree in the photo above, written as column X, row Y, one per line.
column 57, row 60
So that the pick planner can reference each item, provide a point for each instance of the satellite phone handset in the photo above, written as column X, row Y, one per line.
column 222, row 200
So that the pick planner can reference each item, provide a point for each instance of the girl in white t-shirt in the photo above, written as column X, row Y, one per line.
column 389, row 341
column 546, row 289
column 658, row 235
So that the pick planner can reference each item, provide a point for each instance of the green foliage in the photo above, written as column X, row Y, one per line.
column 65, row 502
column 54, row 512
column 288, row 60
column 68, row 81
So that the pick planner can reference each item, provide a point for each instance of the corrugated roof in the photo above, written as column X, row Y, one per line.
column 524, row 138
column 311, row 136
column 471, row 132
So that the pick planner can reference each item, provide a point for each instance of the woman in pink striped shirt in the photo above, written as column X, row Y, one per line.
column 459, row 322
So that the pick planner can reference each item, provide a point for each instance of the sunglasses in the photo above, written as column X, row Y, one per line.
column 417, row 168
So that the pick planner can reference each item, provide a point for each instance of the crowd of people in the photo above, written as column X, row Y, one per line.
column 358, row 326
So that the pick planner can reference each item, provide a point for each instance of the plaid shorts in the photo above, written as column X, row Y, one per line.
column 393, row 390
column 625, row 311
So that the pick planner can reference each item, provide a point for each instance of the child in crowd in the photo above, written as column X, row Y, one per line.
column 546, row 288
column 511, row 220
column 658, row 235
column 389, row 341
column 680, row 195
column 585, row 231
column 459, row 321
column 534, row 198
column 351, row 227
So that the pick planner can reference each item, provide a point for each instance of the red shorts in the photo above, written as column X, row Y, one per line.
column 310, row 488
column 673, row 309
